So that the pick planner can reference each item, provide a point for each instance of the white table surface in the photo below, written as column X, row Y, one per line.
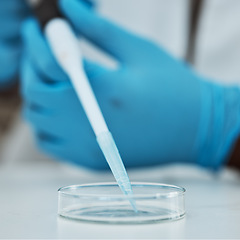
column 28, row 203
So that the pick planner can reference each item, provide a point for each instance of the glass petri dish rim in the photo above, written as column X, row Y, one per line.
column 179, row 191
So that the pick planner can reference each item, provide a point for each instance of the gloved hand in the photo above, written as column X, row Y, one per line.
column 158, row 110
column 12, row 12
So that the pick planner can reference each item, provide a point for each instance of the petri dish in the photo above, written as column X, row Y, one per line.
column 105, row 203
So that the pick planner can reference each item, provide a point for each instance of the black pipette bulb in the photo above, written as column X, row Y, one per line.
column 45, row 10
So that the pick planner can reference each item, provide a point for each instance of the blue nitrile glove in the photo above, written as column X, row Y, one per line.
column 158, row 110
column 12, row 12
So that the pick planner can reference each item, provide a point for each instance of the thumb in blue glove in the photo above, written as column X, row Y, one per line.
column 157, row 108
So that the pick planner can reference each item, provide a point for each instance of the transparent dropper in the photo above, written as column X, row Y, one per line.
column 111, row 153
column 65, row 47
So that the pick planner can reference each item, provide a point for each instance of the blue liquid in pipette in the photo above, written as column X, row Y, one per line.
column 111, row 153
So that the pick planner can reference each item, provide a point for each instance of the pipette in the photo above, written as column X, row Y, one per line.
column 65, row 47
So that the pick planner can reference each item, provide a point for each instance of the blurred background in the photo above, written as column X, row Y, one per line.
column 205, row 34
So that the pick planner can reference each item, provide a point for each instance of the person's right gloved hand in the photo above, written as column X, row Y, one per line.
column 12, row 13
column 157, row 108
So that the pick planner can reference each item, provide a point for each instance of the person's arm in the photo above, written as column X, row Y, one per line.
column 158, row 109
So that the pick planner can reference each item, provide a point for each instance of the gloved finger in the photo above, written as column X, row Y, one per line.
column 51, row 146
column 111, row 38
column 40, row 53
column 89, row 3
column 96, row 72
column 48, row 143
column 106, row 83
column 37, row 116
column 47, row 135
column 56, row 148
column 44, row 121
column 9, row 61
column 36, row 91
column 12, row 14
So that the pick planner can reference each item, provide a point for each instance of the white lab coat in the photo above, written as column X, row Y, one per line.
column 218, row 43
column 165, row 22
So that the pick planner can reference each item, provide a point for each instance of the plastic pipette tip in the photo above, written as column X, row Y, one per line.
column 131, row 200
column 110, row 151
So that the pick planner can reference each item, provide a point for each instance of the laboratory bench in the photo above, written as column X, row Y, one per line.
column 28, row 203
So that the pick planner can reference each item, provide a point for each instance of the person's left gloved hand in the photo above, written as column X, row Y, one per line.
column 158, row 110
column 12, row 13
